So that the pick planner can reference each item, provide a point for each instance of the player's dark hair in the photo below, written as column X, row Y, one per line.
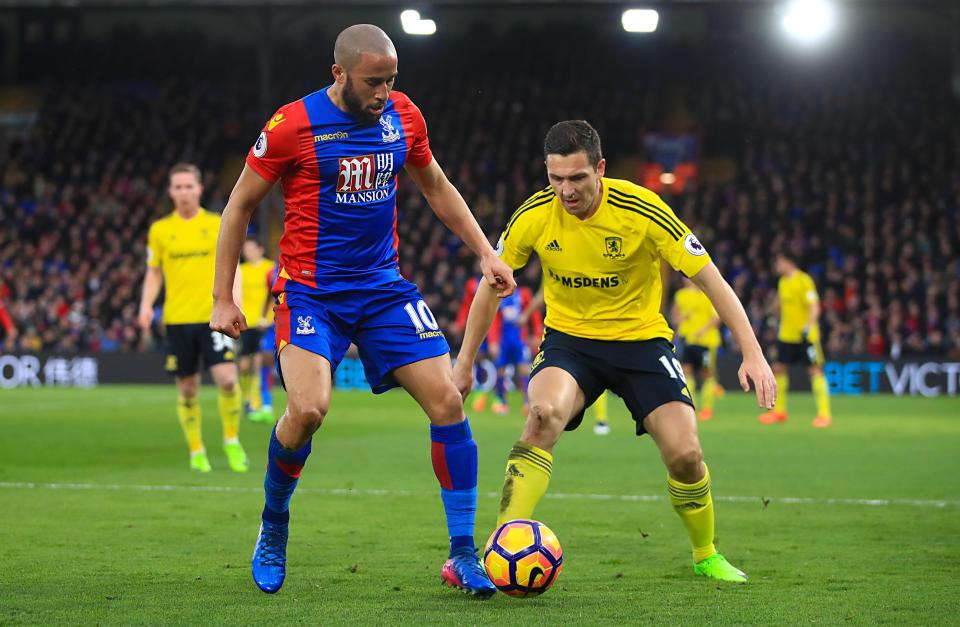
column 570, row 136
column 183, row 166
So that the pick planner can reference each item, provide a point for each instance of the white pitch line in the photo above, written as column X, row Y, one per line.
column 575, row 496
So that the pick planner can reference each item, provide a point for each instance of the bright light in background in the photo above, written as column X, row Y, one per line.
column 640, row 20
column 413, row 24
column 668, row 178
column 809, row 21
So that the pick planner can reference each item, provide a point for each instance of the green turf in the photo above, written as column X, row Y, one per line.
column 106, row 549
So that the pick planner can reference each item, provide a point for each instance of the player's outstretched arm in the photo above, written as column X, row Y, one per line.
column 482, row 312
column 452, row 210
column 246, row 195
column 755, row 367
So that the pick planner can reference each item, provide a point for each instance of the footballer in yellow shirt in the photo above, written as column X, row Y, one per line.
column 181, row 250
column 255, row 274
column 600, row 242
column 798, row 340
column 698, row 327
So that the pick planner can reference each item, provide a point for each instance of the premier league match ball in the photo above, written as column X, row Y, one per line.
column 523, row 558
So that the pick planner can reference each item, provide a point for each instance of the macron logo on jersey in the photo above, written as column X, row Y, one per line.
column 364, row 179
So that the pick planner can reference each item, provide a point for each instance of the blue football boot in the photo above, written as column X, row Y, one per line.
column 269, row 565
column 463, row 570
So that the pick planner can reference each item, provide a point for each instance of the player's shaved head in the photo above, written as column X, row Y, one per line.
column 358, row 39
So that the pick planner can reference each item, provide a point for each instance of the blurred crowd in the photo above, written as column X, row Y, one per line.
column 857, row 173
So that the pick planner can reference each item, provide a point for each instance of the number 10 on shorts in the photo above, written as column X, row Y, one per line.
column 421, row 317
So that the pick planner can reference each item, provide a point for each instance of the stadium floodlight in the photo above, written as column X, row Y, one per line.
column 413, row 24
column 668, row 178
column 808, row 21
column 640, row 20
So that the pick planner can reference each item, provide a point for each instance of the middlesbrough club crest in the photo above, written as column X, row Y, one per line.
column 613, row 248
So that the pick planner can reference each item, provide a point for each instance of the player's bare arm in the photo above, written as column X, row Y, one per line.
column 250, row 189
column 482, row 312
column 755, row 367
column 152, row 282
column 452, row 210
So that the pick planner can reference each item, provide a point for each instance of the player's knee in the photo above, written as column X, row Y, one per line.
column 308, row 415
column 447, row 408
column 779, row 368
column 546, row 417
column 686, row 463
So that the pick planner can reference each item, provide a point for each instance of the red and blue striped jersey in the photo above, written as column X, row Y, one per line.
column 339, row 181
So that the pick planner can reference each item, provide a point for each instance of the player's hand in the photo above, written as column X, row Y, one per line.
column 145, row 318
column 755, row 368
column 463, row 377
column 498, row 275
column 493, row 351
column 227, row 318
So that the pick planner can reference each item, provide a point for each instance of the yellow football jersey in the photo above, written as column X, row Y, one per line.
column 185, row 251
column 255, row 277
column 601, row 276
column 696, row 311
column 796, row 292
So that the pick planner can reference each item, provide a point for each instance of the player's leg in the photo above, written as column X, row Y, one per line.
column 500, row 390
column 673, row 427
column 183, row 356
column 601, row 425
column 245, row 367
column 818, row 382
column 228, row 402
column 454, row 456
column 310, row 345
column 190, row 417
column 555, row 399
column 307, row 378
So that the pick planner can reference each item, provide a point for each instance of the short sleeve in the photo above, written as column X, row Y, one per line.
column 419, row 153
column 276, row 148
column 154, row 247
column 809, row 291
column 517, row 242
column 673, row 240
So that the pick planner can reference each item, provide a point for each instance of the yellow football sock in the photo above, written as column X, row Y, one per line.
column 245, row 385
column 821, row 393
column 783, row 386
column 188, row 412
column 253, row 390
column 708, row 391
column 229, row 405
column 600, row 408
column 694, row 504
column 526, row 481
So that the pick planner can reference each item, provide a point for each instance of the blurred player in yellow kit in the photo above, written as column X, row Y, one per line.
column 798, row 340
column 181, row 250
column 255, row 275
column 698, row 326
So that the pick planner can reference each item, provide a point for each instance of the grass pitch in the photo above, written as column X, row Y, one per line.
column 103, row 523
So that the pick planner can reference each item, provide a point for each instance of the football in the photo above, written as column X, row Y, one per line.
column 523, row 558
